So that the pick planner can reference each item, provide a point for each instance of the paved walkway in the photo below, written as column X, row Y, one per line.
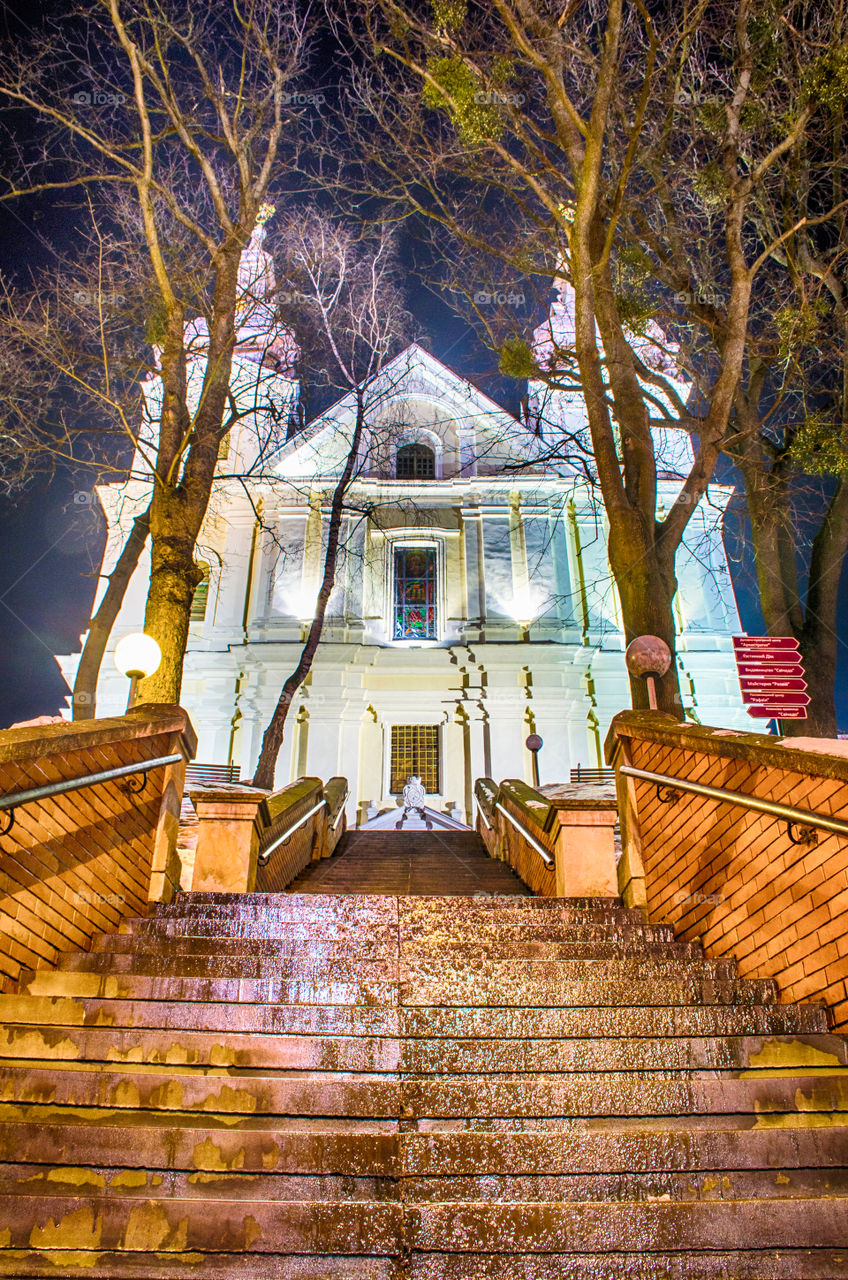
column 410, row 863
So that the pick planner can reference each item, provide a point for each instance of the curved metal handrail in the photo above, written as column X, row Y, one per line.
column 289, row 831
column 9, row 803
column 534, row 844
column 800, row 817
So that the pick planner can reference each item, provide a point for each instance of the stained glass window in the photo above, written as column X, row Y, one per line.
column 415, row 753
column 415, row 593
column 415, row 462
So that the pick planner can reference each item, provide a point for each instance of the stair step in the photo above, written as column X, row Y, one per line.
column 464, row 990
column 753, row 1264
column 421, row 1056
column 353, row 1228
column 317, row 1093
column 421, row 1022
column 366, row 1148
column 360, row 1086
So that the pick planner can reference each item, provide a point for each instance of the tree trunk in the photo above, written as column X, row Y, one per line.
column 100, row 627
column 646, row 589
column 820, row 635
column 813, row 622
column 174, row 575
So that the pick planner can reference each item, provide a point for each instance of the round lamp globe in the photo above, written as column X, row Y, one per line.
column 137, row 655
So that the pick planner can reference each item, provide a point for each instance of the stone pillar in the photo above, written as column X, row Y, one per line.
column 585, row 851
column 228, row 838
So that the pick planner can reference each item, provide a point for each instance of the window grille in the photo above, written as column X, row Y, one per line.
column 415, row 594
column 415, row 753
column 415, row 462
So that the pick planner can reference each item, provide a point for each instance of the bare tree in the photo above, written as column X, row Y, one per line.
column 556, row 141
column 346, row 291
column 175, row 123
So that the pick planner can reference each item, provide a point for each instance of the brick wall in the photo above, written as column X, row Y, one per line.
column 730, row 877
column 78, row 863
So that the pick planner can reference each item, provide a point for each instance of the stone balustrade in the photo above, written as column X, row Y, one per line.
column 243, row 842
column 78, row 862
column 746, row 884
column 572, row 823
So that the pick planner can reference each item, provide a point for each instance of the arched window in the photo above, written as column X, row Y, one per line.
column 415, row 462
column 201, row 594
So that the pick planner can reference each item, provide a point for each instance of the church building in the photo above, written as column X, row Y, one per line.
column 473, row 603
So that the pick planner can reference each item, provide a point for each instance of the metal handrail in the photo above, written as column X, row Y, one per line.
column 542, row 852
column 341, row 811
column 74, row 784
column 800, row 817
column 482, row 812
column 289, row 831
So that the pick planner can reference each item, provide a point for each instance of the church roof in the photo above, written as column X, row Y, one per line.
column 412, row 379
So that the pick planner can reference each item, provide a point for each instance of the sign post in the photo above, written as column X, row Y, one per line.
column 771, row 677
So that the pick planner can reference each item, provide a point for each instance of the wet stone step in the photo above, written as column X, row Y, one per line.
column 330, row 949
column 468, row 991
column 422, row 1056
column 100, row 1222
column 214, row 1185
column 217, row 1017
column 726, row 1264
column 207, row 1185
column 424, row 1022
column 379, row 1149
column 351, row 1149
column 312, row 967
column 754, row 1264
column 346, row 1093
column 613, row 1227
column 104, row 1264
column 53, row 982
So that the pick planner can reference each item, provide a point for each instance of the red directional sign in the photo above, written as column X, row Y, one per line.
column 785, row 713
column 771, row 677
column 765, row 642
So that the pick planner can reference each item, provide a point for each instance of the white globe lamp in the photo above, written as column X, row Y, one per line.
column 137, row 656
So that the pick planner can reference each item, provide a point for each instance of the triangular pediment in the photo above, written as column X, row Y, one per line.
column 415, row 397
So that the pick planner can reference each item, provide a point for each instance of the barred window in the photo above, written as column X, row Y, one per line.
column 415, row 462
column 415, row 594
column 415, row 753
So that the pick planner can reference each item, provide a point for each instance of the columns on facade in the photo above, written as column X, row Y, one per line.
column 522, row 607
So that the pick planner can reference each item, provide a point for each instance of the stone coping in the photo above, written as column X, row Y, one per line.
column 542, row 807
column 71, row 736
column 756, row 748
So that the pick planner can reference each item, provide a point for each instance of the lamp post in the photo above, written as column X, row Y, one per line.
column 534, row 745
column 136, row 656
column 648, row 656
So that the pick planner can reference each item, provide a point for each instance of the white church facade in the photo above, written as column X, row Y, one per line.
column 472, row 604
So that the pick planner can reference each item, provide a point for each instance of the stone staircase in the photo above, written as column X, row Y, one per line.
column 376, row 1087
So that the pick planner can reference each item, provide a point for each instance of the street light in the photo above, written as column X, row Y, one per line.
column 648, row 656
column 137, row 656
column 534, row 744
